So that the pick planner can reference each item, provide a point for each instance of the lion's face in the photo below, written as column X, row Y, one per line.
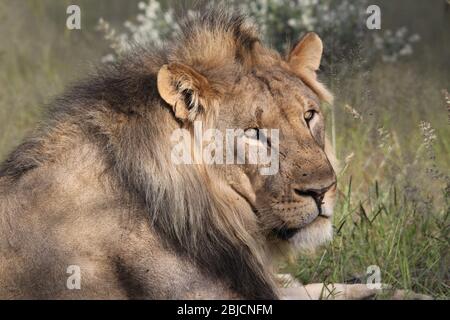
column 293, row 202
column 290, row 202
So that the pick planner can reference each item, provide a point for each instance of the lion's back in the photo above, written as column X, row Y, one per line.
column 54, row 216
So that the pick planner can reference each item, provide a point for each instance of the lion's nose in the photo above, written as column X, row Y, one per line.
column 317, row 194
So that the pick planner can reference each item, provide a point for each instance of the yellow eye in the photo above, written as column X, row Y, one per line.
column 309, row 115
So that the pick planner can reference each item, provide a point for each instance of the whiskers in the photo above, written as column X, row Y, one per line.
column 268, row 221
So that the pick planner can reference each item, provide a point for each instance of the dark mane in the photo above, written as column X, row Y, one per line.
column 119, row 110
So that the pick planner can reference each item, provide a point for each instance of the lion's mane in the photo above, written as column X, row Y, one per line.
column 119, row 110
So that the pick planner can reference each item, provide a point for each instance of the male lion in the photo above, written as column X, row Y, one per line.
column 94, row 187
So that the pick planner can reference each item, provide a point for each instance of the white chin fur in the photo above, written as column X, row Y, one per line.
column 314, row 235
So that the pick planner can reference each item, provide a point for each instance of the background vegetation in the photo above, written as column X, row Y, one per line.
column 390, row 122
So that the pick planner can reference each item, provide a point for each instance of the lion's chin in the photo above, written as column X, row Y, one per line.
column 315, row 234
column 306, row 240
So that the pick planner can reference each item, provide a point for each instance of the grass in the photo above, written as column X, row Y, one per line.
column 387, row 230
column 393, row 208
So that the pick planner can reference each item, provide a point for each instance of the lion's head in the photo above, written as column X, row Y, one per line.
column 225, row 78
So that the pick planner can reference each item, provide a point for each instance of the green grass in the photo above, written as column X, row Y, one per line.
column 384, row 229
column 393, row 206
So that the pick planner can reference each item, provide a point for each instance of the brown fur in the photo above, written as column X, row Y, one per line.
column 95, row 185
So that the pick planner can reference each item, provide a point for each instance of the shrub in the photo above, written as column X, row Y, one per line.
column 341, row 24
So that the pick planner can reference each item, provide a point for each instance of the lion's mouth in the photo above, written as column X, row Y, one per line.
column 285, row 233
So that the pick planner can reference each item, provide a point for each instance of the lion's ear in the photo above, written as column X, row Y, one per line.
column 184, row 89
column 304, row 59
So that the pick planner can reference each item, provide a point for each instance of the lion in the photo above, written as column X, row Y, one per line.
column 95, row 189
